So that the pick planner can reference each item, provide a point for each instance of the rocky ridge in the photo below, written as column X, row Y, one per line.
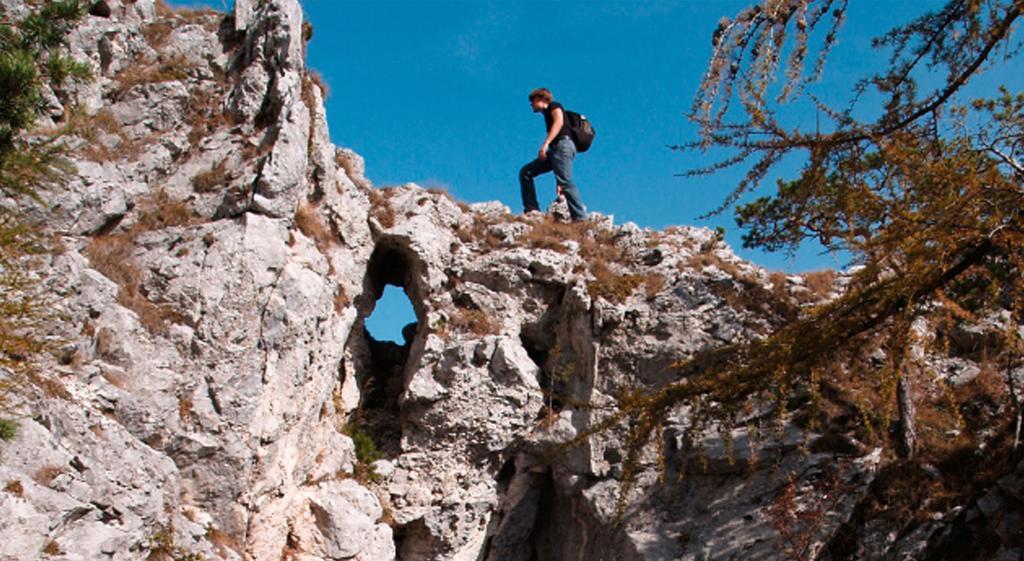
column 216, row 389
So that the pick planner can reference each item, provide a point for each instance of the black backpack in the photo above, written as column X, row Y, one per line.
column 580, row 129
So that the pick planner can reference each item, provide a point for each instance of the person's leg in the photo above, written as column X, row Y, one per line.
column 526, row 175
column 561, row 161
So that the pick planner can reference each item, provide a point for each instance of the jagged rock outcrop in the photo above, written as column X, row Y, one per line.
column 216, row 385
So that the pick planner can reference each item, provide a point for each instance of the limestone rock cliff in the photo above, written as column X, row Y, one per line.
column 220, row 258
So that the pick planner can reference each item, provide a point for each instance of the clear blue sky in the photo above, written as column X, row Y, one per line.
column 436, row 93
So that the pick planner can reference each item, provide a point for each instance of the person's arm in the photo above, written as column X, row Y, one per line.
column 557, row 120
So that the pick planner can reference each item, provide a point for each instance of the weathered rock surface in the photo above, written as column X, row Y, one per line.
column 218, row 384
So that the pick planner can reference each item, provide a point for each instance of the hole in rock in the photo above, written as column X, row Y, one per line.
column 380, row 346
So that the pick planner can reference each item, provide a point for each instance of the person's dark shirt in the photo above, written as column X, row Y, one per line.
column 549, row 120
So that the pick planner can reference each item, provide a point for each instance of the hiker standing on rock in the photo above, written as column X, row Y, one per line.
column 556, row 154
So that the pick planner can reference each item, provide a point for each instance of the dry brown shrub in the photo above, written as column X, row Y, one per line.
column 595, row 243
column 46, row 474
column 952, row 424
column 747, row 293
column 14, row 487
column 609, row 285
column 476, row 322
column 442, row 191
column 209, row 180
column 308, row 222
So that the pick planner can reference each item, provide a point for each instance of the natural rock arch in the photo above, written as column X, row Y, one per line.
column 378, row 368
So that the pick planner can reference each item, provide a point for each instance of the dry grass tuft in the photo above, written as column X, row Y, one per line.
column 381, row 209
column 348, row 164
column 91, row 128
column 479, row 231
column 204, row 116
column 654, row 283
column 209, row 180
column 820, row 283
column 548, row 234
column 709, row 259
column 474, row 321
column 51, row 386
column 158, row 33
column 113, row 255
column 160, row 211
column 318, row 80
column 341, row 300
column 198, row 15
column 155, row 318
column 175, row 68
column 163, row 9
column 185, row 406
column 114, row 378
column 255, row 151
column 307, row 92
column 609, row 285
column 14, row 487
column 307, row 220
column 224, row 542
column 47, row 474
column 52, row 548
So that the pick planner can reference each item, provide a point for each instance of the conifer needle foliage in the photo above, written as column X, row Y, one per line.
column 926, row 197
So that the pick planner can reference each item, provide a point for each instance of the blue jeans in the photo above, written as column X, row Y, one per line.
column 559, row 160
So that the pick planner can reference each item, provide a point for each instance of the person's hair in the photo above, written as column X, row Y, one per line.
column 542, row 93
